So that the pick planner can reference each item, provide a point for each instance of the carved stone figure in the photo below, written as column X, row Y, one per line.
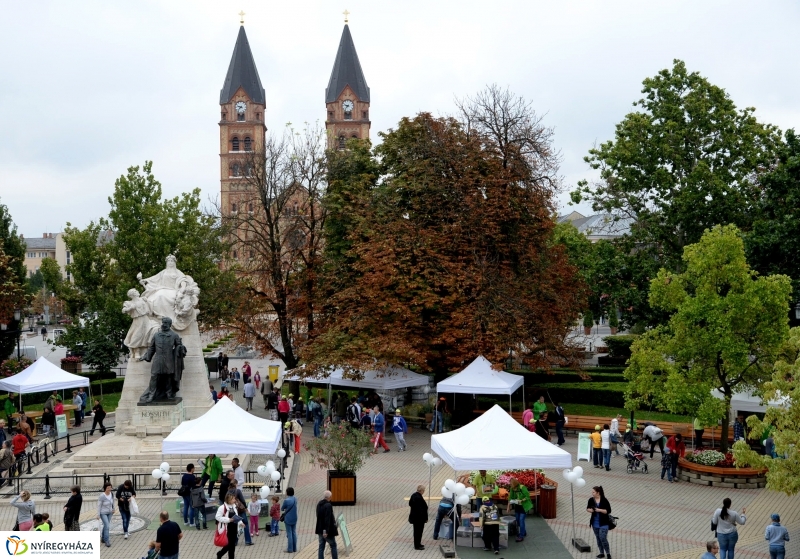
column 166, row 353
column 143, row 327
column 171, row 293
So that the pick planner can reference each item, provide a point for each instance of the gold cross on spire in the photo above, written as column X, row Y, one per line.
column 241, row 17
column 346, row 15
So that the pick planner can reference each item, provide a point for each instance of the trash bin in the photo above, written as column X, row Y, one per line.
column 547, row 501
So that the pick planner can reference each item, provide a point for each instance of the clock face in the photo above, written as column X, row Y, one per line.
column 240, row 107
column 348, row 106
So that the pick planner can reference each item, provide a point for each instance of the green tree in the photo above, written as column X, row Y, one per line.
column 726, row 328
column 12, row 272
column 783, row 423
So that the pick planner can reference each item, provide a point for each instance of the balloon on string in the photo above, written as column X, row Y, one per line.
column 572, row 477
column 437, row 461
column 580, row 482
column 157, row 473
column 565, row 473
column 262, row 471
column 578, row 470
column 164, row 467
column 165, row 477
column 275, row 476
column 270, row 465
column 427, row 457
column 450, row 484
column 264, row 491
column 462, row 500
column 460, row 488
column 281, row 453
column 470, row 491
column 446, row 492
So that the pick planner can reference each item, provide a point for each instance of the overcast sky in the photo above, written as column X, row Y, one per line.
column 90, row 88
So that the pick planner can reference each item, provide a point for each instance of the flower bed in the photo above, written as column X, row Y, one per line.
column 727, row 475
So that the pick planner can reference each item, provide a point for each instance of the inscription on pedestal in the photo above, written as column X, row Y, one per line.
column 160, row 415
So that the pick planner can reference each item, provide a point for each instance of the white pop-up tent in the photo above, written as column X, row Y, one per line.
column 384, row 378
column 748, row 402
column 480, row 378
column 224, row 429
column 42, row 376
column 496, row 440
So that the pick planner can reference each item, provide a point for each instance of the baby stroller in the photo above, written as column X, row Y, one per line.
column 635, row 460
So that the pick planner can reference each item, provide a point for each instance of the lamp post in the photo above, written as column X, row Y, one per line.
column 17, row 332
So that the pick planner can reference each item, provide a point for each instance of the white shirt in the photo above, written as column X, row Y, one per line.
column 238, row 475
column 653, row 432
column 605, row 439
column 615, row 427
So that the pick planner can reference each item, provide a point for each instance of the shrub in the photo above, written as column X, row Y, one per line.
column 620, row 346
column 588, row 319
column 11, row 367
column 708, row 458
column 340, row 449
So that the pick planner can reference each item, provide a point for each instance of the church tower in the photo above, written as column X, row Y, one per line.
column 242, row 130
column 347, row 96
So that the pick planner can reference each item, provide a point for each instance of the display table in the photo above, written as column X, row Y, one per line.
column 37, row 414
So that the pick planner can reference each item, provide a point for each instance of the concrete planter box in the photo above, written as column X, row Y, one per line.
column 731, row 478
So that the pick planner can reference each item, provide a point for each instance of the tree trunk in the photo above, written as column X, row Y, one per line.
column 726, row 425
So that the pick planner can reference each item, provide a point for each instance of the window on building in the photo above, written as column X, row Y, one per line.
column 235, row 255
column 240, row 117
column 354, row 136
column 341, row 141
column 330, row 115
column 252, row 254
column 250, row 207
column 365, row 115
column 247, row 143
column 258, row 116
column 248, row 169
column 233, row 208
column 237, row 170
column 224, row 115
column 234, row 144
column 348, row 116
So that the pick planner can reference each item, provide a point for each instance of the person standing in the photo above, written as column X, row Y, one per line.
column 519, row 501
column 257, row 380
column 266, row 390
column 600, row 508
column 295, row 430
column 527, row 416
column 188, row 483
column 199, row 501
column 490, row 524
column 235, row 378
column 677, row 449
column 219, row 363
column 326, row 528
column 485, row 486
column 225, row 361
column 777, row 536
column 738, row 435
column 655, row 436
column 214, row 397
column 125, row 493
column 238, row 471
column 445, row 509
column 225, row 485
column 378, row 427
column 560, row 422
column 605, row 446
column 10, row 408
column 283, row 410
column 19, row 445
column 597, row 447
column 98, row 415
column 438, row 415
column 249, row 394
column 6, row 463
column 712, row 547
column 418, row 515
column 541, row 427
column 44, row 333
column 247, row 372
column 272, row 404
column 48, row 423
column 72, row 510
column 699, row 429
column 26, row 508
column 77, row 401
column 353, row 413
column 105, row 508
column 289, row 511
column 399, row 428
column 84, row 398
column 539, row 407
column 226, row 514
column 615, row 434
column 726, row 521
column 168, row 537
column 212, row 469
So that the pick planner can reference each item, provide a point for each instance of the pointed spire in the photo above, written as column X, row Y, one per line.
column 242, row 73
column 347, row 71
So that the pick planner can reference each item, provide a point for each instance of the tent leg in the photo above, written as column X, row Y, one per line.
column 509, row 403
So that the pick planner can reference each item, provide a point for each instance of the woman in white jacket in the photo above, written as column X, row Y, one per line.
column 226, row 514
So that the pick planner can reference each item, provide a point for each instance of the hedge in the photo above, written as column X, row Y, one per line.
column 537, row 379
column 109, row 386
column 605, row 393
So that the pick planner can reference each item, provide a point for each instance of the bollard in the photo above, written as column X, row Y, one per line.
column 47, row 487
column 29, row 464
column 45, row 453
column 69, row 448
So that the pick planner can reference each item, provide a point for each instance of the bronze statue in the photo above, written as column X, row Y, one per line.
column 166, row 352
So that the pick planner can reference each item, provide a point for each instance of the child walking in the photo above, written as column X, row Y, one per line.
column 666, row 466
column 254, row 509
column 275, row 514
column 199, row 500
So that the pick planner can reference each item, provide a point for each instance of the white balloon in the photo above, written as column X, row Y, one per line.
column 270, row 464
column 164, row 467
column 427, row 456
column 565, row 473
column 281, row 453
column 157, row 473
column 460, row 488
column 578, row 470
column 580, row 482
column 165, row 477
column 446, row 492
column 450, row 484
column 572, row 477
column 470, row 491
column 275, row 476
column 437, row 461
column 264, row 491
column 462, row 500
column 262, row 471
column 427, row 389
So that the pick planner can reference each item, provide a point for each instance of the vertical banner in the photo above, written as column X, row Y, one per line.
column 348, row 545
column 61, row 425
column 50, row 545
column 273, row 373
column 584, row 447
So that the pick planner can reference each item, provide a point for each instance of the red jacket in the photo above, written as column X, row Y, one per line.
column 19, row 442
column 676, row 446
column 283, row 406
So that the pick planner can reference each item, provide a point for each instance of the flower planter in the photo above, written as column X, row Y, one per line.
column 587, row 330
column 731, row 478
column 342, row 487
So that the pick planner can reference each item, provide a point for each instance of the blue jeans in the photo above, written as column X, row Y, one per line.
column 291, row 537
column 615, row 442
column 597, row 456
column 188, row 510
column 601, row 534
column 560, row 433
column 441, row 513
column 727, row 543
column 199, row 516
column 777, row 552
column 331, row 541
column 246, row 520
column 520, row 516
column 317, row 425
column 106, row 519
column 437, row 421
column 126, row 519
column 274, row 527
column 606, row 457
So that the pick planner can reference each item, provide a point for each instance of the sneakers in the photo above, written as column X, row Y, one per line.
column 387, row 450
column 126, row 535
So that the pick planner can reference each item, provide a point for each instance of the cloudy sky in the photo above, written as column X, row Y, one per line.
column 90, row 88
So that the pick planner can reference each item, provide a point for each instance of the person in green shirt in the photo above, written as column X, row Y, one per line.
column 10, row 410
column 698, row 432
column 519, row 501
column 39, row 524
column 485, row 486
column 212, row 470
column 538, row 407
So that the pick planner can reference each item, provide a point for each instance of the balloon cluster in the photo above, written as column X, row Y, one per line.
column 575, row 476
column 460, row 493
column 269, row 470
column 431, row 460
column 162, row 472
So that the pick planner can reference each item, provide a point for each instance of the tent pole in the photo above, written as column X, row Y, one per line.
column 509, row 403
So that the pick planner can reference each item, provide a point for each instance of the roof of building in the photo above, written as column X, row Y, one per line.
column 242, row 73
column 347, row 71
column 599, row 226
column 38, row 243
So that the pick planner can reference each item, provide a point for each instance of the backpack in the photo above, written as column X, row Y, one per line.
column 351, row 413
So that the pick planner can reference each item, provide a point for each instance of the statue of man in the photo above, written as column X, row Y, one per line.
column 166, row 353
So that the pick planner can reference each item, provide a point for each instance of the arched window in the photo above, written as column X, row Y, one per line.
column 250, row 207
column 234, row 144
column 233, row 208
column 341, row 141
column 235, row 255
column 354, row 136
column 247, row 143
column 237, row 170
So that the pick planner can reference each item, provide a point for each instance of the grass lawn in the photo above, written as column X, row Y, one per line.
column 109, row 401
column 609, row 412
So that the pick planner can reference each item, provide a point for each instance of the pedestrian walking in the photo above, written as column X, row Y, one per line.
column 289, row 514
column 666, row 464
column 199, row 501
column 125, row 494
column 257, row 380
column 326, row 528
column 378, row 427
column 105, row 509
column 249, row 394
column 605, row 446
column 418, row 515
column 490, row 525
column 725, row 521
column 777, row 536
column 235, row 378
column 519, row 502
column 226, row 515
column 72, row 510
column 98, row 415
column 560, row 422
column 44, row 333
column 597, row 447
column 712, row 547
column 188, row 483
column 600, row 508
column 168, row 537
column 400, row 428
column 615, row 434
column 241, row 509
column 26, row 508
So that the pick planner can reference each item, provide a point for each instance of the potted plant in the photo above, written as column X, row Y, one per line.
column 341, row 451
column 427, row 409
column 588, row 322
column 613, row 322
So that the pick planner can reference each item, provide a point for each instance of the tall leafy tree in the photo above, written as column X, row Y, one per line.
column 726, row 328
column 12, row 275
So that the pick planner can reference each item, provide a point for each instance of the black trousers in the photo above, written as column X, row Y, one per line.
column 491, row 536
column 95, row 422
column 230, row 549
column 418, row 527
column 659, row 441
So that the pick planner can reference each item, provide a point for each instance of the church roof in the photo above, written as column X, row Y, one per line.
column 347, row 71
column 242, row 73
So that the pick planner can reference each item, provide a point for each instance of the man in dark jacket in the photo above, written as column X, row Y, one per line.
column 326, row 528
column 418, row 515
column 224, row 485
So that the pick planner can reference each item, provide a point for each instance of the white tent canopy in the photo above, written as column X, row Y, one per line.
column 224, row 429
column 496, row 440
column 385, row 378
column 748, row 402
column 480, row 378
column 42, row 376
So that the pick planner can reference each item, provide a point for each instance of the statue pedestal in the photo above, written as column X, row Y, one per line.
column 155, row 418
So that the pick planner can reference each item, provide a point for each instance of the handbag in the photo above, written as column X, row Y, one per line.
column 283, row 514
column 134, row 507
column 612, row 522
column 714, row 527
column 221, row 535
column 184, row 491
